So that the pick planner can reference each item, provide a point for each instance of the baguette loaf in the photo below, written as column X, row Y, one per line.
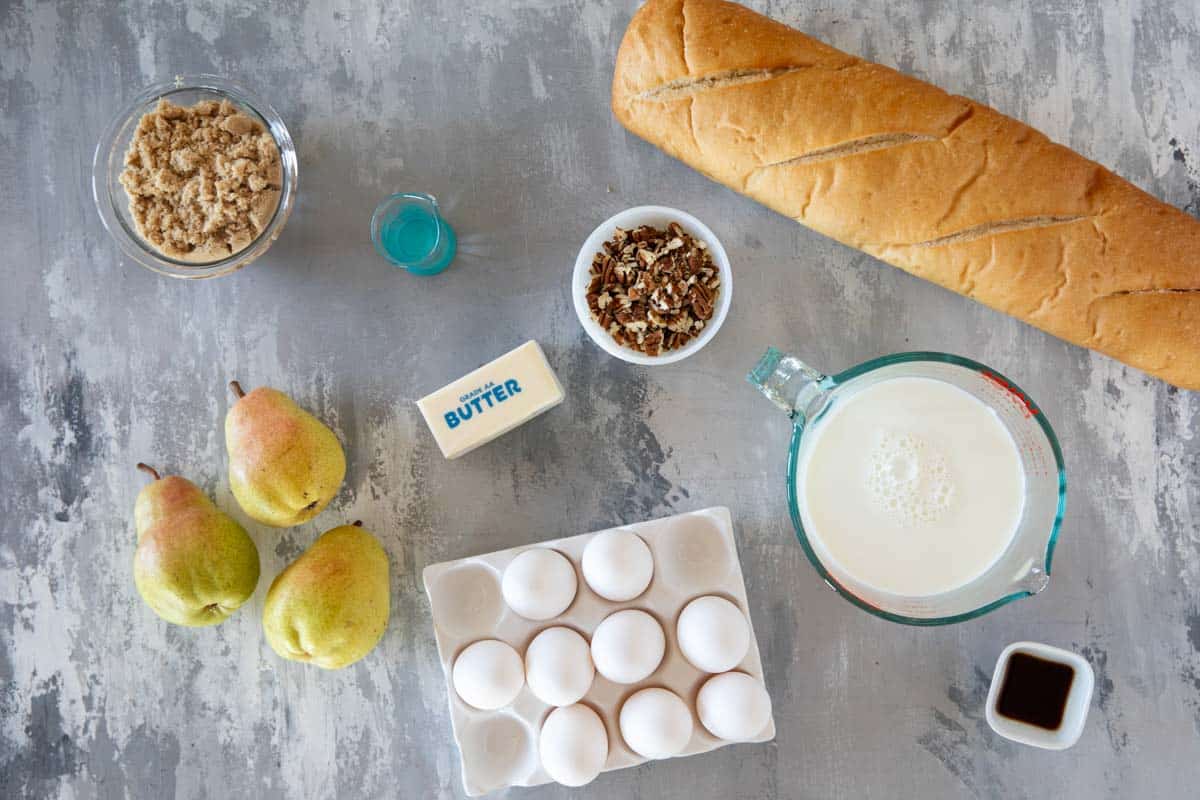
column 933, row 183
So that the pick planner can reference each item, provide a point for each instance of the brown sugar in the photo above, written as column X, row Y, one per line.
column 203, row 181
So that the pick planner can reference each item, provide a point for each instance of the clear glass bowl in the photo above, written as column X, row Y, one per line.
column 113, row 203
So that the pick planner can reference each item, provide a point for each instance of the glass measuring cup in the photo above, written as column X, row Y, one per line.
column 408, row 230
column 805, row 394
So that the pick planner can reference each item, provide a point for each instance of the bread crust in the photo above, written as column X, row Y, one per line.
column 941, row 186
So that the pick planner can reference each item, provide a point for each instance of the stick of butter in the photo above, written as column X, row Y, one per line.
column 492, row 400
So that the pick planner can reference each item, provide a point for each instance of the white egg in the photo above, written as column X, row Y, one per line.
column 558, row 666
column 656, row 723
column 733, row 706
column 573, row 745
column 539, row 583
column 713, row 634
column 488, row 674
column 617, row 565
column 628, row 646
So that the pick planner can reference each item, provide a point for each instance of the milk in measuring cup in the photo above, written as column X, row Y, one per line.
column 909, row 486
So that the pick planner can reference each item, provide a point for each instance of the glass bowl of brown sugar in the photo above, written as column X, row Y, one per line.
column 195, row 177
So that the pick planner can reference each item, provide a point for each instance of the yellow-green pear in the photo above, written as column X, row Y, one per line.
column 194, row 565
column 284, row 464
column 330, row 606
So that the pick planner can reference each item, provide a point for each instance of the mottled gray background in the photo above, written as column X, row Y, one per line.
column 502, row 112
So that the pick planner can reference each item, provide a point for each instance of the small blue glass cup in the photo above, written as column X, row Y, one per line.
column 408, row 230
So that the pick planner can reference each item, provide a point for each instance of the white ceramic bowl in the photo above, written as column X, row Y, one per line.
column 659, row 217
column 1079, row 699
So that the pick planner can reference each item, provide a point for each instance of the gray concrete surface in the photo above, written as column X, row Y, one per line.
column 501, row 111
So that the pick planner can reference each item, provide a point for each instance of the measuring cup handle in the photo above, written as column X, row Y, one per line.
column 788, row 382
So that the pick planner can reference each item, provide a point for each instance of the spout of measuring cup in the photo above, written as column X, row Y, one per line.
column 1034, row 581
column 788, row 382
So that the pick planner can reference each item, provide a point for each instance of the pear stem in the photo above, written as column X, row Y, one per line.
column 237, row 389
column 357, row 523
column 149, row 470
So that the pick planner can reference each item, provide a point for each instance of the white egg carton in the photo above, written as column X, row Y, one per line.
column 694, row 555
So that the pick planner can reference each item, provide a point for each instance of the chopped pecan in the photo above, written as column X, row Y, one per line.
column 675, row 340
column 652, row 342
column 609, row 276
column 652, row 290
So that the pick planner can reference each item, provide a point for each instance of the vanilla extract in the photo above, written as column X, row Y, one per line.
column 1035, row 691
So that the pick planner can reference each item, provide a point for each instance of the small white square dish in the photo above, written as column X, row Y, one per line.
column 1040, row 695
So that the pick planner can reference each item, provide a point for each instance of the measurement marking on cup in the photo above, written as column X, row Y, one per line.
column 1028, row 409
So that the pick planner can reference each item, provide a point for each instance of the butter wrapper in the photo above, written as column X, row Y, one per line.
column 492, row 400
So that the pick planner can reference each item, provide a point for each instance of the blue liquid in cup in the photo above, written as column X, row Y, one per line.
column 411, row 234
